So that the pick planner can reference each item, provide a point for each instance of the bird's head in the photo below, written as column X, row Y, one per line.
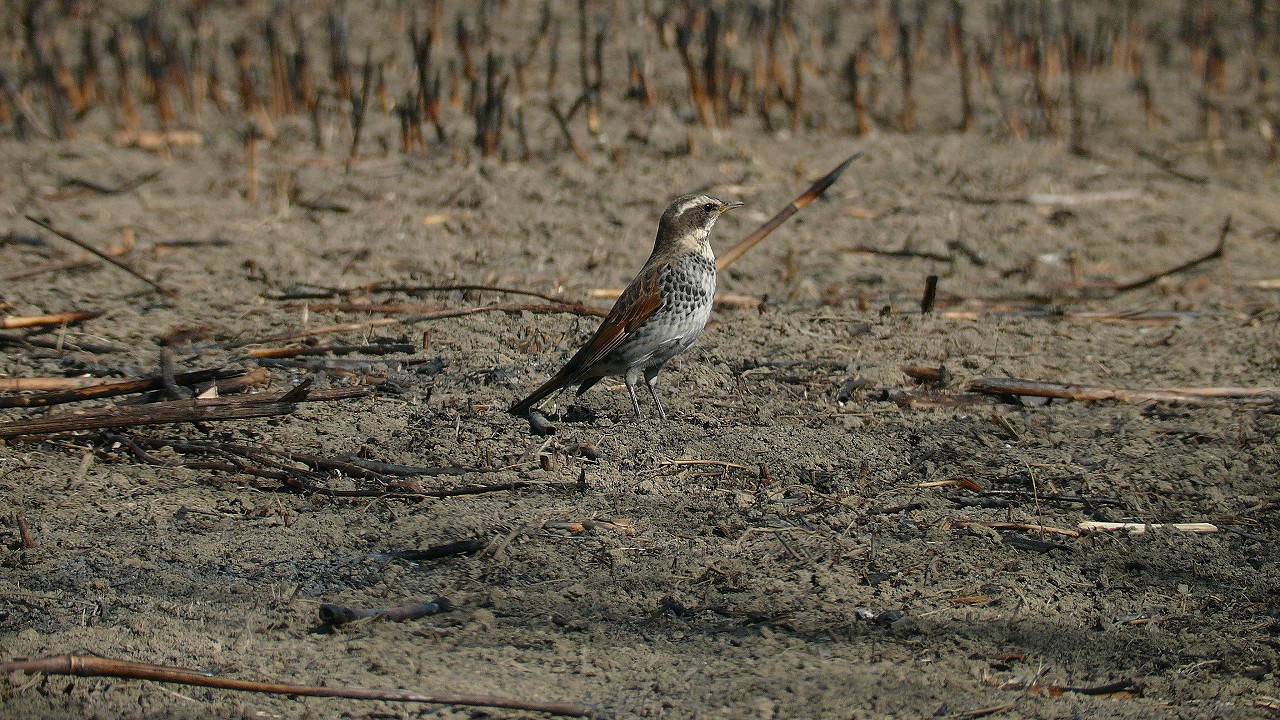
column 686, row 224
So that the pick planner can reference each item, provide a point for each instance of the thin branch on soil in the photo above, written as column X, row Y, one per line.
column 94, row 666
column 1215, row 254
column 101, row 255
column 178, row 411
column 103, row 189
column 1141, row 528
column 1018, row 526
column 27, row 321
column 1057, row 313
column 124, row 387
column 626, row 527
column 367, row 349
column 38, row 384
column 903, row 252
column 1119, row 688
column 772, row 224
column 1014, row 387
column 429, row 312
column 572, row 308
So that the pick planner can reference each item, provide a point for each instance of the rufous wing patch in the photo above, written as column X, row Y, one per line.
column 641, row 299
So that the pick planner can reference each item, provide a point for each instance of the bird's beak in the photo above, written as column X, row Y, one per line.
column 731, row 204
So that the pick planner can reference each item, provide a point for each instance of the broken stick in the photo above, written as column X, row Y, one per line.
column 1089, row 393
column 796, row 205
column 101, row 255
column 94, row 666
column 178, row 411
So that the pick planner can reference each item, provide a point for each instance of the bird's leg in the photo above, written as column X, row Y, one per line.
column 630, row 380
column 651, row 379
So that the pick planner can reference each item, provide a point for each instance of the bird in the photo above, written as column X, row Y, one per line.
column 658, row 316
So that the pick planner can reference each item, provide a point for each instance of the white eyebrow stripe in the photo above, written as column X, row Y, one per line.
column 690, row 204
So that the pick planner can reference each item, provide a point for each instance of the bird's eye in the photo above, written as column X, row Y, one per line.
column 709, row 207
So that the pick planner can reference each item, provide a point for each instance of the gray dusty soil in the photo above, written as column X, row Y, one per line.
column 791, row 543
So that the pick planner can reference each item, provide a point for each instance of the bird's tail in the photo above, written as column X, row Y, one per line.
column 556, row 382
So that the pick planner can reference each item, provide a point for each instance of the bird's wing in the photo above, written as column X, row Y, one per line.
column 637, row 303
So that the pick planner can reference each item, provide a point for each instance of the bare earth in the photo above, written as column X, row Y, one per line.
column 811, row 563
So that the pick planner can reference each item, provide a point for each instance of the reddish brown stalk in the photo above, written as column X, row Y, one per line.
column 360, row 106
column 907, row 59
column 27, row 321
column 797, row 92
column 1040, row 84
column 1210, row 99
column 567, row 132
column 697, row 94
column 808, row 196
column 339, row 51
column 95, row 666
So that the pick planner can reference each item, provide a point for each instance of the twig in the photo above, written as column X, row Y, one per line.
column 1141, row 528
column 368, row 349
column 1215, row 254
column 26, row 321
column 178, row 411
column 904, row 252
column 1019, row 526
column 28, row 384
column 573, row 308
column 101, row 255
column 1089, row 393
column 112, row 389
column 118, row 189
column 930, row 294
column 581, row 526
column 24, row 534
column 563, row 123
column 388, row 287
column 335, row 615
column 94, row 666
column 772, row 224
